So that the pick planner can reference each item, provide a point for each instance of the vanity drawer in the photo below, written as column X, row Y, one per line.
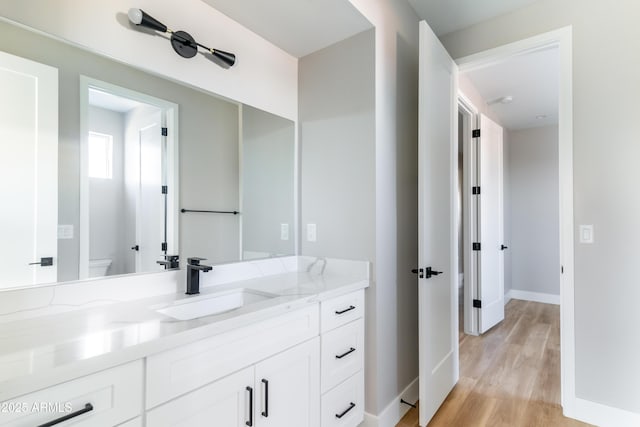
column 342, row 353
column 341, row 310
column 106, row 398
column 344, row 405
column 178, row 371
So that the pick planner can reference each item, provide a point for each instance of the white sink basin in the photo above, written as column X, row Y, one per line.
column 214, row 304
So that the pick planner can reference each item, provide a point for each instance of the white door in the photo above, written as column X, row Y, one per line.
column 225, row 403
column 150, row 214
column 437, row 294
column 288, row 388
column 490, row 225
column 28, row 171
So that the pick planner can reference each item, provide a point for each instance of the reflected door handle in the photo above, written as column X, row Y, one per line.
column 419, row 272
column 44, row 262
column 503, row 247
column 135, row 248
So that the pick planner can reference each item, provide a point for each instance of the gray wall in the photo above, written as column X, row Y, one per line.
column 208, row 146
column 606, row 66
column 106, row 196
column 268, row 159
column 534, row 209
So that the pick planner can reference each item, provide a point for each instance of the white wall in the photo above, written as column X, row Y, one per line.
column 264, row 76
column 606, row 88
column 534, row 209
column 392, row 336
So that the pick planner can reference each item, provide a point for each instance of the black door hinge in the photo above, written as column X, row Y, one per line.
column 475, row 133
column 476, row 246
column 165, row 131
column 475, row 190
column 165, row 189
column 164, row 246
column 477, row 303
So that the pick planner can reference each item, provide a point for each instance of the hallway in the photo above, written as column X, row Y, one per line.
column 508, row 377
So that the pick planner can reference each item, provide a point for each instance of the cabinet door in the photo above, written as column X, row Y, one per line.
column 288, row 388
column 224, row 403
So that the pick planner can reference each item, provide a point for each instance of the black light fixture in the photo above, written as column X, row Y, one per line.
column 182, row 42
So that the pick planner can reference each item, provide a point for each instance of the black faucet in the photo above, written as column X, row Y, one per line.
column 171, row 262
column 193, row 274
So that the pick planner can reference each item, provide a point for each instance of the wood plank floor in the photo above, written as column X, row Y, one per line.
column 510, row 376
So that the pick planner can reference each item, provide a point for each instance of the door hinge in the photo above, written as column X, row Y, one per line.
column 165, row 189
column 164, row 246
column 476, row 246
column 475, row 133
column 165, row 131
column 477, row 303
column 475, row 190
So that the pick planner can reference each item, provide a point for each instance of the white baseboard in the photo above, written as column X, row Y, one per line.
column 604, row 416
column 532, row 296
column 393, row 413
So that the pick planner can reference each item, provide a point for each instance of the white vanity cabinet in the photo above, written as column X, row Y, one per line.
column 342, row 360
column 280, row 391
column 104, row 399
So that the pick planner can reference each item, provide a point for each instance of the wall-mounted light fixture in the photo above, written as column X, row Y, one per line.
column 182, row 42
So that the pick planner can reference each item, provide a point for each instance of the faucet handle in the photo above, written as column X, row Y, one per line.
column 195, row 260
column 171, row 257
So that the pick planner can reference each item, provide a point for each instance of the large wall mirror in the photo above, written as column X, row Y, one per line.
column 126, row 167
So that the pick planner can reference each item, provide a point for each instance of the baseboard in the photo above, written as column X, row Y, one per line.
column 507, row 297
column 393, row 413
column 533, row 296
column 604, row 416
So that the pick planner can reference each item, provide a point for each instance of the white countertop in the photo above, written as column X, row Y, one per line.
column 39, row 351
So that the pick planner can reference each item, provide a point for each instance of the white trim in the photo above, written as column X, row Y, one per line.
column 532, row 296
column 562, row 39
column 170, row 112
column 604, row 416
column 393, row 413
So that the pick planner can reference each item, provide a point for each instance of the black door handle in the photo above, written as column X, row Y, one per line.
column 87, row 408
column 265, row 413
column 135, row 248
column 503, row 247
column 44, row 262
column 419, row 272
column 250, row 422
column 430, row 272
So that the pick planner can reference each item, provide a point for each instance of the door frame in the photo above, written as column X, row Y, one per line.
column 561, row 39
column 170, row 112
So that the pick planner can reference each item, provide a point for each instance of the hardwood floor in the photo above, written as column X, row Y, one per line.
column 510, row 376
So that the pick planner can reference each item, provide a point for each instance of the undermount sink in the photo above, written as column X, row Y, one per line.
column 214, row 304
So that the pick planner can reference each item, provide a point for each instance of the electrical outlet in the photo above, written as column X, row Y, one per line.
column 311, row 233
column 284, row 231
column 65, row 232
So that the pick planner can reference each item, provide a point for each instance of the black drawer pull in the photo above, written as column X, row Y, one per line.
column 250, row 422
column 265, row 413
column 87, row 408
column 345, row 310
column 351, row 406
column 351, row 350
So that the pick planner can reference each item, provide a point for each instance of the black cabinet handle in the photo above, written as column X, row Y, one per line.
column 250, row 422
column 345, row 310
column 44, row 262
column 87, row 408
column 265, row 413
column 351, row 406
column 351, row 350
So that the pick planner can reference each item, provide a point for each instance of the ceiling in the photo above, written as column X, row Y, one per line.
column 299, row 27
column 108, row 101
column 445, row 16
column 531, row 79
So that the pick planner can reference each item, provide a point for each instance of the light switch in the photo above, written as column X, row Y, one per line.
column 65, row 232
column 311, row 232
column 284, row 231
column 586, row 234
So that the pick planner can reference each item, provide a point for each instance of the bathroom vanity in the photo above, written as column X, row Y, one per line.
column 276, row 342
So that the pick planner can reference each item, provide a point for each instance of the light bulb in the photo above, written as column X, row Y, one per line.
column 135, row 16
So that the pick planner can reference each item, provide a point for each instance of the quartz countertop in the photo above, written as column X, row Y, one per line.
column 40, row 351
